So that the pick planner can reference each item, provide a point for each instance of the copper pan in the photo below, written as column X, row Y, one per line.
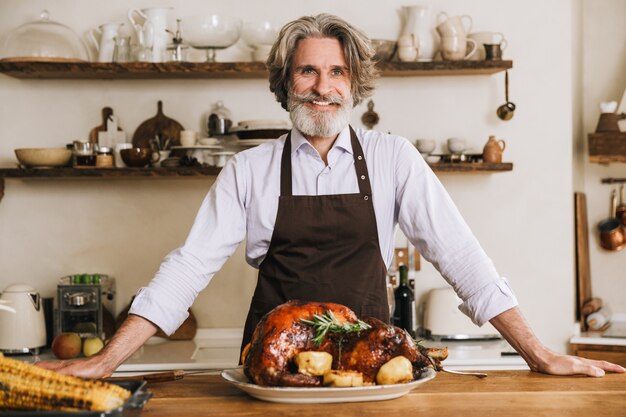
column 612, row 235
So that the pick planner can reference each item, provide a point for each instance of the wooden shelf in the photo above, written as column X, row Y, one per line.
column 471, row 167
column 234, row 70
column 195, row 172
column 607, row 147
column 174, row 172
column 201, row 171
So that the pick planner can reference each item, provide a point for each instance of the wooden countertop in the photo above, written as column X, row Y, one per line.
column 502, row 393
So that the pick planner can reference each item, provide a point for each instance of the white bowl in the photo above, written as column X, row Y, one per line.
column 43, row 157
column 425, row 145
column 456, row 145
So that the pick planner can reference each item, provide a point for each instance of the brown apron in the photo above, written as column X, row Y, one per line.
column 323, row 248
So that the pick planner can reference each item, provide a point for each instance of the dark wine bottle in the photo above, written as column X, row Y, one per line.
column 404, row 315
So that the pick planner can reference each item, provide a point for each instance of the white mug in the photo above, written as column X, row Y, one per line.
column 187, row 138
column 490, row 38
column 454, row 25
column 454, row 48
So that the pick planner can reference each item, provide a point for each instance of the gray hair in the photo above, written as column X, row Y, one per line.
column 356, row 45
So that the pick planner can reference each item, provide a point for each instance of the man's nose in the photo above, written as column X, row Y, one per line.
column 323, row 86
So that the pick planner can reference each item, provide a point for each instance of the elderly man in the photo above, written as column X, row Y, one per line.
column 318, row 208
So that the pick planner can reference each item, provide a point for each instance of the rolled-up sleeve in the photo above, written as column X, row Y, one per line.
column 218, row 229
column 430, row 220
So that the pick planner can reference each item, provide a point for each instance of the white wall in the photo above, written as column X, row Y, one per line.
column 523, row 218
column 603, row 79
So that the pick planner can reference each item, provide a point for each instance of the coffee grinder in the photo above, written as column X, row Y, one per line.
column 80, row 302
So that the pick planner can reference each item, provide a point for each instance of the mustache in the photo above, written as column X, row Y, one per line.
column 311, row 97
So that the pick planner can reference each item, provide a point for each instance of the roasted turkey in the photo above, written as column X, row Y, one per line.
column 282, row 334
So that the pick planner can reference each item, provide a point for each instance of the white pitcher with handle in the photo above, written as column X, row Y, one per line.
column 453, row 25
column 107, row 33
column 418, row 20
column 153, row 30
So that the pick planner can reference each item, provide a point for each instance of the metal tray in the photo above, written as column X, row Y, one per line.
column 132, row 407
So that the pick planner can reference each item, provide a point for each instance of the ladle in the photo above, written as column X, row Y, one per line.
column 506, row 111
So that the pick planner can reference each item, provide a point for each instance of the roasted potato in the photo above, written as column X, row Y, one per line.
column 314, row 363
column 396, row 371
column 343, row 379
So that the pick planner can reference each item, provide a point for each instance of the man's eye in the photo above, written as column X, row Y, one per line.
column 308, row 71
column 337, row 72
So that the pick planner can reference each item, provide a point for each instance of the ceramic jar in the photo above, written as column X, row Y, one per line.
column 492, row 152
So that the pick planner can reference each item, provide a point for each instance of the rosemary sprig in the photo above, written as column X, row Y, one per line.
column 328, row 323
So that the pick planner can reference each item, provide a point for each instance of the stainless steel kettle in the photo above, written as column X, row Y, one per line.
column 22, row 324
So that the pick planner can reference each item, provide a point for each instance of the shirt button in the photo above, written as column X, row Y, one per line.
column 362, row 177
column 366, row 198
column 359, row 157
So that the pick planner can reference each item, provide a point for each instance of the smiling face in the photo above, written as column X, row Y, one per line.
column 320, row 101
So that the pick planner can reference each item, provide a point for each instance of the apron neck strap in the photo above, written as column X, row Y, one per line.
column 359, row 165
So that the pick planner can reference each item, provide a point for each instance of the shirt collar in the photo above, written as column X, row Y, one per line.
column 343, row 140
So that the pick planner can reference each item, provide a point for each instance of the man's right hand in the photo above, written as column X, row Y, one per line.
column 131, row 335
column 93, row 367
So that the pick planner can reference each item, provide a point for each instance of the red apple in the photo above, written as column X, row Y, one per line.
column 66, row 345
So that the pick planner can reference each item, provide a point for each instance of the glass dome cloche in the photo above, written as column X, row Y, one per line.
column 43, row 40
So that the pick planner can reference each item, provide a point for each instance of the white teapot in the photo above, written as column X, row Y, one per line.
column 153, row 31
column 107, row 33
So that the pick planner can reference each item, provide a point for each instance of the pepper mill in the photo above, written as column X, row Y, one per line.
column 492, row 152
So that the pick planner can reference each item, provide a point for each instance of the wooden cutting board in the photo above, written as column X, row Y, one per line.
column 583, row 269
column 155, row 126
column 93, row 134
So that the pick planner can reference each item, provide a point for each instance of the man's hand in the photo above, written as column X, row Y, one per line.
column 512, row 325
column 93, row 367
column 131, row 335
column 557, row 364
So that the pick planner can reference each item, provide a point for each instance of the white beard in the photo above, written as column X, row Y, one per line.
column 313, row 123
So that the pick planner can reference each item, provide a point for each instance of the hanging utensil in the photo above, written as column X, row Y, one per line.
column 370, row 118
column 506, row 111
column 620, row 211
column 612, row 235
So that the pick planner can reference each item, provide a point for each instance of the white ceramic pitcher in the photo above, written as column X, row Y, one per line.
column 107, row 32
column 153, row 30
column 418, row 20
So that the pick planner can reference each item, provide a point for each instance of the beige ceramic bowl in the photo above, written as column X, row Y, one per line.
column 43, row 157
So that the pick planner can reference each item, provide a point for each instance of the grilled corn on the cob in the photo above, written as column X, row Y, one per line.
column 24, row 386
